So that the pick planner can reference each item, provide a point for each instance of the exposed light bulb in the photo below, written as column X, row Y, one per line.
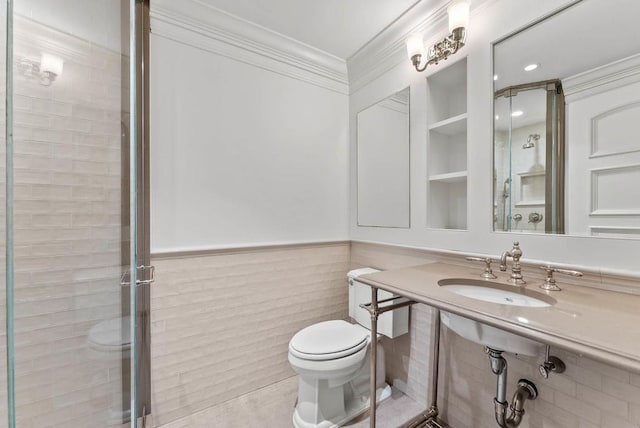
column 415, row 45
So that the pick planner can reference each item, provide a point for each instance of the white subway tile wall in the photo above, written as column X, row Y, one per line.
column 589, row 394
column 67, row 232
column 221, row 323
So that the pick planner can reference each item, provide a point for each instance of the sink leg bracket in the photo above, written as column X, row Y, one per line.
column 375, row 310
column 429, row 418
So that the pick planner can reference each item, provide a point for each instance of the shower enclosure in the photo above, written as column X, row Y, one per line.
column 529, row 158
column 74, row 229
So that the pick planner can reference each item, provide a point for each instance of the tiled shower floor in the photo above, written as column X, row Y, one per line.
column 272, row 407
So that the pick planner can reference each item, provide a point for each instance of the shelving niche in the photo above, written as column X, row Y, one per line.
column 447, row 147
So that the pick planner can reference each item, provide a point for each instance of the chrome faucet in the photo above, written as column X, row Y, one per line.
column 516, row 269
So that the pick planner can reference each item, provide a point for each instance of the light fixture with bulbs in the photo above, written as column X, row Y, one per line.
column 458, row 12
column 45, row 69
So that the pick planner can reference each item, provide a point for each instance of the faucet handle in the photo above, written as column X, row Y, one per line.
column 551, row 364
column 488, row 273
column 550, row 282
column 516, row 252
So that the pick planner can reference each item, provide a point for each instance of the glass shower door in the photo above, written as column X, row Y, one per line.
column 74, row 321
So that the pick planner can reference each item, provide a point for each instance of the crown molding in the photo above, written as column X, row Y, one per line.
column 33, row 36
column 388, row 49
column 601, row 79
column 197, row 24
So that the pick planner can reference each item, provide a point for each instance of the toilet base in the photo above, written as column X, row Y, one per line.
column 354, row 408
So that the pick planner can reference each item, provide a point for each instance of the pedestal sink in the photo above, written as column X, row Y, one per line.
column 496, row 293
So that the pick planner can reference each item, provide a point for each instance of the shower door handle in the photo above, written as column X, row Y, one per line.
column 125, row 281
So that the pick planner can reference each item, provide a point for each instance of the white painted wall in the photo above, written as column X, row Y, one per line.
column 489, row 22
column 241, row 155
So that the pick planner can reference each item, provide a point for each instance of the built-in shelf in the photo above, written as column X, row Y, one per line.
column 532, row 203
column 532, row 173
column 447, row 147
column 451, row 126
column 450, row 177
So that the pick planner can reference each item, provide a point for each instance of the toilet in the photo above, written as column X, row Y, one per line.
column 109, row 341
column 331, row 359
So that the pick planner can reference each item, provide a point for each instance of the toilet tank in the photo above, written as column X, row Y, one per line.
column 391, row 324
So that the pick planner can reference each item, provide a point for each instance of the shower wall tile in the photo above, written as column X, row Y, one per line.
column 221, row 322
column 590, row 394
column 67, row 232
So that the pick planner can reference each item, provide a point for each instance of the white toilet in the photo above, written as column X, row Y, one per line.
column 332, row 361
column 109, row 341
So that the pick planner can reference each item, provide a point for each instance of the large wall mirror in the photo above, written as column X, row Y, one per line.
column 383, row 163
column 567, row 123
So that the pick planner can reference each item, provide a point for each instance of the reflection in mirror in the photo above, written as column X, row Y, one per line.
column 525, row 148
column 567, row 123
column 383, row 162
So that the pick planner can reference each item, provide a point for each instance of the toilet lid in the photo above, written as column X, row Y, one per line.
column 329, row 340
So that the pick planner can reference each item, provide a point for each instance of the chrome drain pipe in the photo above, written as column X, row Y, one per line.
column 499, row 368
column 526, row 390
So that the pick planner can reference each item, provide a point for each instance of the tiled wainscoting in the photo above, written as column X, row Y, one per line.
column 221, row 322
column 588, row 395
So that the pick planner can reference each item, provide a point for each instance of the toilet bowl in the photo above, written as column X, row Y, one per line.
column 332, row 359
column 109, row 343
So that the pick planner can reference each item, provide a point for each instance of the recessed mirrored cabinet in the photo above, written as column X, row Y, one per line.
column 567, row 123
column 383, row 162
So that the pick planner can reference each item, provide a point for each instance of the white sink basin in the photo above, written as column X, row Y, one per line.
column 497, row 293
column 497, row 296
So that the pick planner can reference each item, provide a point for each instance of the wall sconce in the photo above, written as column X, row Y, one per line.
column 458, row 12
column 45, row 70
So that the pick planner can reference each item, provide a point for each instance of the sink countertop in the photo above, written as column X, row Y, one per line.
column 597, row 323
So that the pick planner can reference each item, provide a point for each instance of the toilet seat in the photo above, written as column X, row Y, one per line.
column 328, row 340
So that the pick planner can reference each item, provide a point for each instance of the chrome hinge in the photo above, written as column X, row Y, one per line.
column 125, row 279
